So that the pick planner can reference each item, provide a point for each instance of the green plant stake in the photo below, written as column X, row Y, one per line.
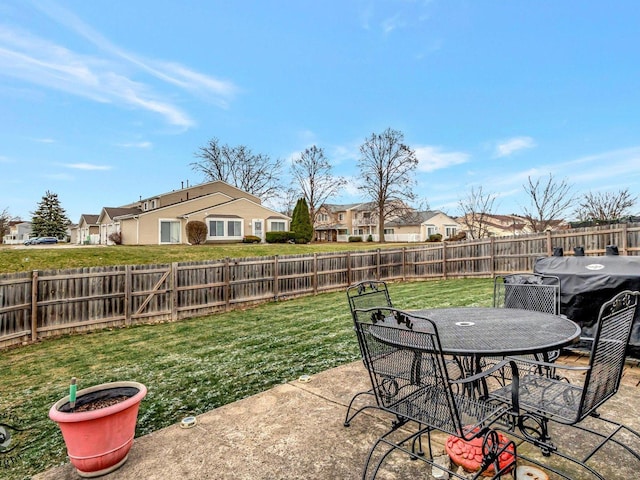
column 73, row 388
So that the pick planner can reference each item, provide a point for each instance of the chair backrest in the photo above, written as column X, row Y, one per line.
column 367, row 294
column 408, row 371
column 608, row 351
column 529, row 291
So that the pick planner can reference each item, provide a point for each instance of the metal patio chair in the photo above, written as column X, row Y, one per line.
column 528, row 291
column 395, row 342
column 370, row 293
column 538, row 399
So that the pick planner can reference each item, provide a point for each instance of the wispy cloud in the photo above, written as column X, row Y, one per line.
column 86, row 166
column 135, row 145
column 434, row 158
column 392, row 23
column 108, row 75
column 512, row 145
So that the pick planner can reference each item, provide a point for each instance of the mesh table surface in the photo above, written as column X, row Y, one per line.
column 500, row 331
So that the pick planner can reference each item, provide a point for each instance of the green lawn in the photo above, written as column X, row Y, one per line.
column 193, row 366
column 65, row 256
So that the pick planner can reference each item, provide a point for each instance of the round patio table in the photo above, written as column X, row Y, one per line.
column 480, row 331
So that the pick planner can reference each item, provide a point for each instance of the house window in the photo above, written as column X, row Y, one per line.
column 323, row 217
column 225, row 229
column 450, row 231
column 340, row 217
column 216, row 228
column 277, row 226
column 145, row 206
column 169, row 231
column 235, row 228
column 153, row 204
column 388, row 231
column 431, row 230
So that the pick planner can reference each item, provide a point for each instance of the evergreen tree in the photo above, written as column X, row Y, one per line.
column 301, row 222
column 50, row 219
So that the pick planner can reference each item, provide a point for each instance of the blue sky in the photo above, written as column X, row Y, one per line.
column 103, row 102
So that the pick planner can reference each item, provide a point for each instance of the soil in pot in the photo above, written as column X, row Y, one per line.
column 100, row 399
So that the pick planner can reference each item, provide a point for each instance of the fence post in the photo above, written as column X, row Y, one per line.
column 624, row 239
column 492, row 246
column 174, row 291
column 378, row 265
column 127, row 295
column 315, row 274
column 444, row 260
column 404, row 264
column 276, row 288
column 227, row 281
column 549, row 245
column 34, row 306
column 349, row 268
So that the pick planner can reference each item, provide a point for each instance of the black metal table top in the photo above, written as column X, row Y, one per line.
column 500, row 331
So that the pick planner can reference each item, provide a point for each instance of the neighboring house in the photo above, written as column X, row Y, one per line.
column 334, row 222
column 229, row 213
column 339, row 222
column 505, row 225
column 419, row 226
column 18, row 232
column 87, row 230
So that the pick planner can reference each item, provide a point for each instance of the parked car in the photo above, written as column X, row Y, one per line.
column 31, row 241
column 42, row 240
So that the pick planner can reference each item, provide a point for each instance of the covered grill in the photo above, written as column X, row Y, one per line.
column 587, row 282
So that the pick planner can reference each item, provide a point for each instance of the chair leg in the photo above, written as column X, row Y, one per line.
column 350, row 416
column 492, row 449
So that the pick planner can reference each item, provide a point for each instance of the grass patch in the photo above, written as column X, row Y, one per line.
column 22, row 259
column 193, row 366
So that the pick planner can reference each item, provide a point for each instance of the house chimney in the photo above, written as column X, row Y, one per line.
column 182, row 184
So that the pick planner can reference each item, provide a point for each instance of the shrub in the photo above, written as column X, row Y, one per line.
column 116, row 238
column 370, row 238
column 435, row 237
column 279, row 237
column 251, row 239
column 355, row 239
column 196, row 232
column 458, row 236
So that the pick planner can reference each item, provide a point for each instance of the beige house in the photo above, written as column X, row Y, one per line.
column 229, row 213
column 336, row 223
column 492, row 225
column 419, row 226
column 87, row 232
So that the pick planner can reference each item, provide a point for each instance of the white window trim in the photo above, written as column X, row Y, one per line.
column 225, row 221
column 171, row 220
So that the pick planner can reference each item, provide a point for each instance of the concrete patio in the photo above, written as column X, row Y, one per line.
column 295, row 431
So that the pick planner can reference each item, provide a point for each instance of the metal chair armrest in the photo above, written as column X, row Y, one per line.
column 538, row 363
column 481, row 375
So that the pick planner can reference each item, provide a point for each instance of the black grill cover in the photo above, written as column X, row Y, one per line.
column 587, row 282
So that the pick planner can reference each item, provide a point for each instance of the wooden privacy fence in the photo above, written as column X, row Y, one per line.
column 38, row 304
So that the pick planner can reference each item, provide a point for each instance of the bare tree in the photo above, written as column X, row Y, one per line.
column 476, row 208
column 5, row 218
column 605, row 207
column 386, row 164
column 312, row 171
column 548, row 202
column 256, row 174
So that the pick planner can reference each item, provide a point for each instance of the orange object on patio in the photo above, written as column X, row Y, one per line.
column 468, row 454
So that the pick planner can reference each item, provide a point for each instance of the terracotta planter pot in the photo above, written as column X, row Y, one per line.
column 98, row 441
